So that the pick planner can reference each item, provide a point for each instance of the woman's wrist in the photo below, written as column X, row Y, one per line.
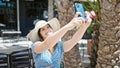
column 84, row 27
column 69, row 26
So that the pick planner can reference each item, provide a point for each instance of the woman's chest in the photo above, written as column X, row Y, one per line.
column 47, row 57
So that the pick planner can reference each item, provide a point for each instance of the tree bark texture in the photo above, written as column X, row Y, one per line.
column 109, row 39
column 66, row 13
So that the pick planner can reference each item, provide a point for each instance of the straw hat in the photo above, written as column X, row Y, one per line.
column 33, row 34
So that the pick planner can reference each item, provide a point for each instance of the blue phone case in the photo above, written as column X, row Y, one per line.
column 79, row 8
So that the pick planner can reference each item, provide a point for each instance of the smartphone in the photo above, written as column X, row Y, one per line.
column 79, row 8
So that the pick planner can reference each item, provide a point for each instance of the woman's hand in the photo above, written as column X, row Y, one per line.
column 76, row 21
column 89, row 16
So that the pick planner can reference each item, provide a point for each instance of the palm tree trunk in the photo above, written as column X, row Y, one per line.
column 66, row 13
column 109, row 39
column 94, row 47
column 50, row 9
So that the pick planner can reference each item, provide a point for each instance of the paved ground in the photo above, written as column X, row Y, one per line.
column 7, row 45
column 83, row 53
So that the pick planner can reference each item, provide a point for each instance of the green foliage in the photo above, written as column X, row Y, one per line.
column 89, row 30
column 95, row 6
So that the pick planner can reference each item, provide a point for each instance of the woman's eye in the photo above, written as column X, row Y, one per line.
column 43, row 29
column 48, row 27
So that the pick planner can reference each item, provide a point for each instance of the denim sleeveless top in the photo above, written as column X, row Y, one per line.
column 45, row 59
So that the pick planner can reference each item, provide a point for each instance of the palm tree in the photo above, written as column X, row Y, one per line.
column 50, row 9
column 109, row 39
column 93, row 48
column 66, row 13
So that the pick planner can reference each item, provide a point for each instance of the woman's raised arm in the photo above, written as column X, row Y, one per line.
column 52, row 39
column 68, row 45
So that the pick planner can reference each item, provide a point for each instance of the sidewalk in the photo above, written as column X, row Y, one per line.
column 83, row 53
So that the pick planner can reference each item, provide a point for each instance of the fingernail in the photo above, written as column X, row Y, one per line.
column 93, row 13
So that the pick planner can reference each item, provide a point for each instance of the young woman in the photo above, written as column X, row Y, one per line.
column 47, row 47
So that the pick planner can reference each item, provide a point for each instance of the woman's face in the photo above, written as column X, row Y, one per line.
column 45, row 31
